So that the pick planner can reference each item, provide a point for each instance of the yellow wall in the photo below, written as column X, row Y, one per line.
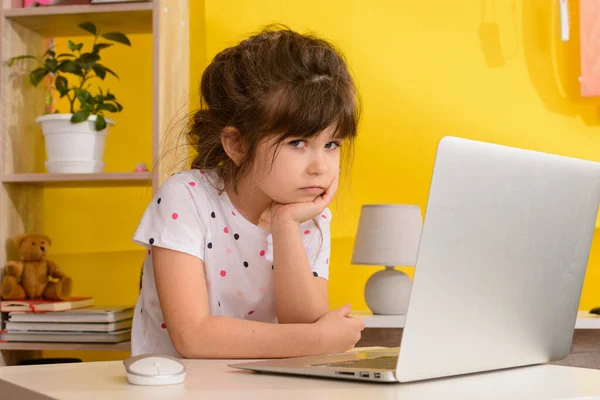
column 422, row 72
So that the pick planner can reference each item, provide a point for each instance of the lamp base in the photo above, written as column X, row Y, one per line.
column 387, row 292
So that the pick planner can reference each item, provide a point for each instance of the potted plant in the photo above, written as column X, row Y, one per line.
column 75, row 140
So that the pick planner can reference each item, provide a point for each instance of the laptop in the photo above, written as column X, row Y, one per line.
column 502, row 258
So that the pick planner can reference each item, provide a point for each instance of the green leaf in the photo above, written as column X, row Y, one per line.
column 62, row 85
column 70, row 67
column 100, row 122
column 109, row 95
column 99, row 70
column 88, row 59
column 36, row 76
column 88, row 26
column 109, row 71
column 101, row 46
column 49, row 52
column 107, row 107
column 85, row 98
column 75, row 47
column 51, row 64
column 119, row 106
column 13, row 60
column 80, row 116
column 65, row 55
column 48, row 99
column 117, row 37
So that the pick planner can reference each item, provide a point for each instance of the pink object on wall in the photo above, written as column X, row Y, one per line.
column 27, row 3
column 589, row 16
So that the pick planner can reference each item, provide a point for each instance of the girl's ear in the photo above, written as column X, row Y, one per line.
column 232, row 142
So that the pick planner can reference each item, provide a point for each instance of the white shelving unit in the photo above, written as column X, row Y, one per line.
column 22, row 180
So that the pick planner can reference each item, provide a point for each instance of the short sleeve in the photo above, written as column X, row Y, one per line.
column 172, row 219
column 317, row 241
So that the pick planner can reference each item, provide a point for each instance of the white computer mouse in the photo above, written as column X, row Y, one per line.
column 154, row 369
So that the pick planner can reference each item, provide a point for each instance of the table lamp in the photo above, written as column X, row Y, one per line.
column 388, row 235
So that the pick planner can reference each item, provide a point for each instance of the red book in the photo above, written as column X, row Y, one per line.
column 45, row 305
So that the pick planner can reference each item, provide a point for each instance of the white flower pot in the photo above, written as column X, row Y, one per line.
column 73, row 148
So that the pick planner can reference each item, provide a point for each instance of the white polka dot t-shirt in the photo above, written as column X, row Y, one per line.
column 188, row 214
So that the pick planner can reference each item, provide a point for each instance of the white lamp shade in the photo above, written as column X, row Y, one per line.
column 388, row 234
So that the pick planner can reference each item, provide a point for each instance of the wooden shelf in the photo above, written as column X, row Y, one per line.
column 98, row 179
column 63, row 20
column 24, row 31
column 123, row 346
column 585, row 320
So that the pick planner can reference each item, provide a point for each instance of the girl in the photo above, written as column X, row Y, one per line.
column 238, row 246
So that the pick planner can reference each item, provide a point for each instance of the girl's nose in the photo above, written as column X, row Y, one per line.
column 317, row 165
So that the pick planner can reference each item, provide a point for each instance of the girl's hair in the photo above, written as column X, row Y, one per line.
column 276, row 83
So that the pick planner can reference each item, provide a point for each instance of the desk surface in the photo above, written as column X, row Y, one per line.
column 212, row 379
column 585, row 320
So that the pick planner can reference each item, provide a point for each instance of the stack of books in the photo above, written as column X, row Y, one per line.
column 73, row 321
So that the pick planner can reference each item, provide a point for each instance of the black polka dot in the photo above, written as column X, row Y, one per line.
column 315, row 273
column 272, row 267
column 151, row 240
column 236, row 236
column 158, row 201
column 141, row 310
column 246, row 264
column 210, row 245
column 212, row 214
column 219, row 304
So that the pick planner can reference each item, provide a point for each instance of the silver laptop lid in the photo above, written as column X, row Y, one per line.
column 503, row 254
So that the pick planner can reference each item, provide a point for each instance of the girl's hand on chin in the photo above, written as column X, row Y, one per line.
column 300, row 212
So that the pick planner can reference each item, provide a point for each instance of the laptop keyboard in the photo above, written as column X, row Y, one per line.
column 384, row 362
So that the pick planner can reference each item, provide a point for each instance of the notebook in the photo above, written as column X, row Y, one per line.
column 45, row 305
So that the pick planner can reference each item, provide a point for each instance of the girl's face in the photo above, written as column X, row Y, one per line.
column 302, row 168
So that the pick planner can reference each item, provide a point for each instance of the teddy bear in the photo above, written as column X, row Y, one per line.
column 34, row 277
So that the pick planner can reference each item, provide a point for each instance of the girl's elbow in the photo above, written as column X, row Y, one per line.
column 188, row 343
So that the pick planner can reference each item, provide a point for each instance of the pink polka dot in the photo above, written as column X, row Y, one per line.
column 327, row 261
column 233, row 213
column 149, row 251
column 228, row 251
column 262, row 290
column 306, row 232
column 223, row 272
column 324, row 216
column 158, row 343
column 192, row 183
column 163, row 325
column 175, row 216
column 262, row 253
column 202, row 172
column 251, row 312
column 226, row 230
column 240, row 294
column 154, row 303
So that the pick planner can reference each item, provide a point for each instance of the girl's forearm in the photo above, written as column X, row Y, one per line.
column 227, row 337
column 297, row 296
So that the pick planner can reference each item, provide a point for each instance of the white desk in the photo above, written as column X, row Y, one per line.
column 212, row 379
column 585, row 320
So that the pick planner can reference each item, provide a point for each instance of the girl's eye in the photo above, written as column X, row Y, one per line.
column 332, row 145
column 298, row 143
